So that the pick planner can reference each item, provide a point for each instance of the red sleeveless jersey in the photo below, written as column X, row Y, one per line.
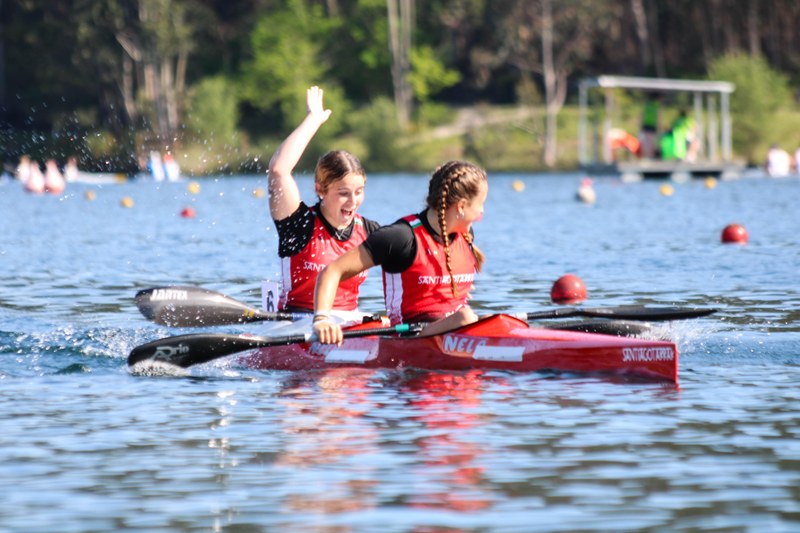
column 423, row 292
column 299, row 272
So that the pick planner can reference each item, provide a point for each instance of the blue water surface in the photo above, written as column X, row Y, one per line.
column 87, row 446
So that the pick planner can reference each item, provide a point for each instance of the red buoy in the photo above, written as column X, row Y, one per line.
column 734, row 234
column 188, row 212
column 568, row 289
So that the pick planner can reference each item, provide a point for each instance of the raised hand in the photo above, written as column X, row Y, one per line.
column 315, row 106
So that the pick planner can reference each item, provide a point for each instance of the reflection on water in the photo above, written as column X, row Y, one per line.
column 449, row 472
column 323, row 416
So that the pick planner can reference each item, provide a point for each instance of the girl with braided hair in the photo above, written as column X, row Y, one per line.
column 310, row 237
column 428, row 259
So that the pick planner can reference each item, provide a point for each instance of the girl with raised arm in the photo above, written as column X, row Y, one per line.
column 310, row 237
column 428, row 259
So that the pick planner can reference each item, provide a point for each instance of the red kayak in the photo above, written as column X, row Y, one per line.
column 497, row 342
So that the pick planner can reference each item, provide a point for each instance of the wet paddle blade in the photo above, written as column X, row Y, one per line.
column 197, row 348
column 618, row 328
column 186, row 306
column 632, row 312
column 194, row 349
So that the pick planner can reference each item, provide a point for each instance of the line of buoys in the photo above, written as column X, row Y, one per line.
column 568, row 289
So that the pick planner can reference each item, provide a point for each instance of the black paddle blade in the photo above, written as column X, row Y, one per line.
column 618, row 328
column 194, row 349
column 632, row 312
column 186, row 306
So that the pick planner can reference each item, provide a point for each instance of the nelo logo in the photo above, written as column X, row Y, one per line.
column 461, row 345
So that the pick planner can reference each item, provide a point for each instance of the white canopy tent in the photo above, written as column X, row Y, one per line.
column 711, row 96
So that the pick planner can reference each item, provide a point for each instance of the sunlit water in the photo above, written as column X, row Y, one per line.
column 86, row 446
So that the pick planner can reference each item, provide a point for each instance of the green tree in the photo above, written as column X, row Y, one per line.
column 212, row 112
column 428, row 75
column 760, row 93
column 287, row 48
column 358, row 47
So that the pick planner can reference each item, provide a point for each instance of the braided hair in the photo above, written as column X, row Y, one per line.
column 451, row 182
column 334, row 166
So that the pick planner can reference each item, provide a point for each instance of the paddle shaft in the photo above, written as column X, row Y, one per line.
column 186, row 306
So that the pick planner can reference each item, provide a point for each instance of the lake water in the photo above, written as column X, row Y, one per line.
column 86, row 446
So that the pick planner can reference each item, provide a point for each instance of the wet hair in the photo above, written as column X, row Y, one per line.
column 451, row 182
column 334, row 166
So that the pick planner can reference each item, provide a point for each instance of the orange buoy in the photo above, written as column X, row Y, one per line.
column 188, row 212
column 126, row 202
column 734, row 234
column 568, row 289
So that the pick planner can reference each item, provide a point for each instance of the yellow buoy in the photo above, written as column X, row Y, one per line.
column 90, row 195
column 518, row 185
column 126, row 202
column 258, row 192
column 194, row 187
column 710, row 182
column 666, row 190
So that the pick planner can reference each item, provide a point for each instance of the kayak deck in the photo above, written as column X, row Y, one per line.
column 498, row 342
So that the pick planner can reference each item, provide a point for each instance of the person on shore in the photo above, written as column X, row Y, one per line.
column 778, row 162
column 620, row 139
column 53, row 179
column 23, row 170
column 648, row 136
column 35, row 181
column 428, row 259
column 155, row 166
column 172, row 170
column 71, row 171
column 309, row 238
column 586, row 192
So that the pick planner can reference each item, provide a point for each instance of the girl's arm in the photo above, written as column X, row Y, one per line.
column 284, row 195
column 345, row 267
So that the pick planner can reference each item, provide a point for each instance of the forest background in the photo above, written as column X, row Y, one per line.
column 411, row 82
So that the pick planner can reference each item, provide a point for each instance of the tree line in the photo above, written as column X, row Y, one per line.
column 110, row 79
